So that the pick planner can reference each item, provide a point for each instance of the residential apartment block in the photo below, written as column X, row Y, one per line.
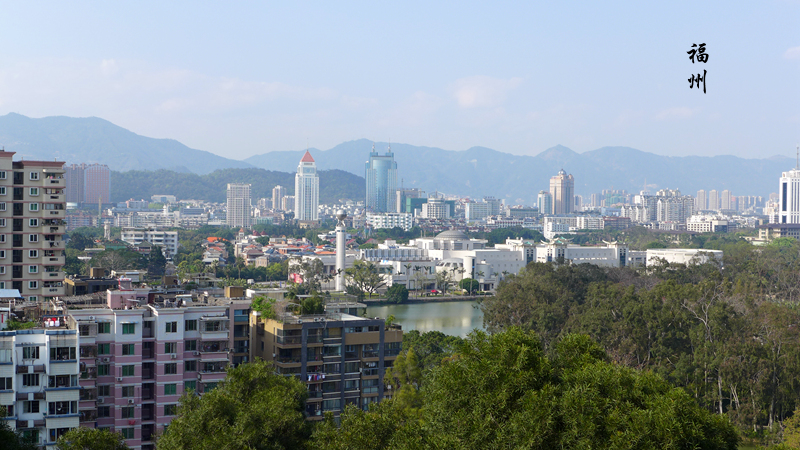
column 31, row 227
column 341, row 356
column 167, row 240
column 39, row 385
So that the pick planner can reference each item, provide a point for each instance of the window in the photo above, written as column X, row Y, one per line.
column 190, row 385
column 30, row 379
column 2, row 253
column 170, row 410
column 169, row 347
column 33, row 222
column 30, row 406
column 127, row 433
column 103, row 349
column 214, row 325
column 2, row 206
column 102, row 370
column 33, row 238
column 104, row 327
column 33, row 206
column 33, row 269
column 104, row 390
column 34, row 191
column 103, row 411
column 62, row 353
column 128, row 370
column 127, row 412
column 190, row 346
column 33, row 253
column 32, row 298
column 2, row 283
column 170, row 368
column 128, row 349
column 128, row 328
column 172, row 327
column 34, row 175
column 190, row 366
column 190, row 325
column 5, row 384
column 33, row 284
column 30, row 352
column 127, row 391
column 62, row 408
column 2, row 174
column 2, row 237
column 2, row 222
column 170, row 389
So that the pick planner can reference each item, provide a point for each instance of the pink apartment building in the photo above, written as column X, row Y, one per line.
column 137, row 358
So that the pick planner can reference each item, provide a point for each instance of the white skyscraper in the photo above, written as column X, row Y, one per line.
column 789, row 197
column 238, row 205
column 306, row 190
column 701, row 204
column 713, row 200
column 278, row 192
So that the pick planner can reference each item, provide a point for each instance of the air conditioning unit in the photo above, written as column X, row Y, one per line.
column 196, row 353
column 119, row 379
column 91, row 317
column 173, row 356
column 131, row 401
column 106, row 359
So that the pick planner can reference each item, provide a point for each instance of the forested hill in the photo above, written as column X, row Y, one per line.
column 137, row 184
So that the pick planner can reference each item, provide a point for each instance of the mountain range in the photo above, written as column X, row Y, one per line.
column 475, row 172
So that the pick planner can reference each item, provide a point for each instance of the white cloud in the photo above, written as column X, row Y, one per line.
column 676, row 113
column 792, row 53
column 482, row 91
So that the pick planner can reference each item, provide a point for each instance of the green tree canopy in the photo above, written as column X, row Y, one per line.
column 505, row 391
column 397, row 293
column 82, row 438
column 252, row 409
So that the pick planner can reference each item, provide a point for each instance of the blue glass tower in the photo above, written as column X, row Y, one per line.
column 381, row 175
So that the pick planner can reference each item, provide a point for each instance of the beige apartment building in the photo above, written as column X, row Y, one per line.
column 32, row 227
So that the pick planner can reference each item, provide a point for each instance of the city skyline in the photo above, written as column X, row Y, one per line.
column 456, row 81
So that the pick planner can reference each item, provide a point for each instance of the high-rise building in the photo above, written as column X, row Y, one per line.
column 97, row 184
column 789, row 197
column 545, row 202
column 278, row 192
column 725, row 200
column 347, row 370
column 403, row 194
column 33, row 253
column 88, row 183
column 238, row 205
column 287, row 203
column 495, row 205
column 700, row 202
column 713, row 200
column 381, row 175
column 306, row 190
column 74, row 182
column 562, row 188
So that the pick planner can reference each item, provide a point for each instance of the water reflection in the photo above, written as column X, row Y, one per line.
column 453, row 318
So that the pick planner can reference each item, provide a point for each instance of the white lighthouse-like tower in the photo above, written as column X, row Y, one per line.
column 341, row 241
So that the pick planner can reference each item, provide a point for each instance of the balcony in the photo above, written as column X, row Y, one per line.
column 88, row 415
column 289, row 340
column 90, row 373
column 88, row 394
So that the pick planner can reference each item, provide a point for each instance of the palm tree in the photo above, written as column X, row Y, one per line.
column 479, row 274
column 505, row 273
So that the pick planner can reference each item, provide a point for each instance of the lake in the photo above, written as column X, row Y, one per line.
column 453, row 318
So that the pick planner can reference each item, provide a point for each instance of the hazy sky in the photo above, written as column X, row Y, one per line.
column 242, row 78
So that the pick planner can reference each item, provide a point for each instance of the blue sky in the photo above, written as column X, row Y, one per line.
column 244, row 78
